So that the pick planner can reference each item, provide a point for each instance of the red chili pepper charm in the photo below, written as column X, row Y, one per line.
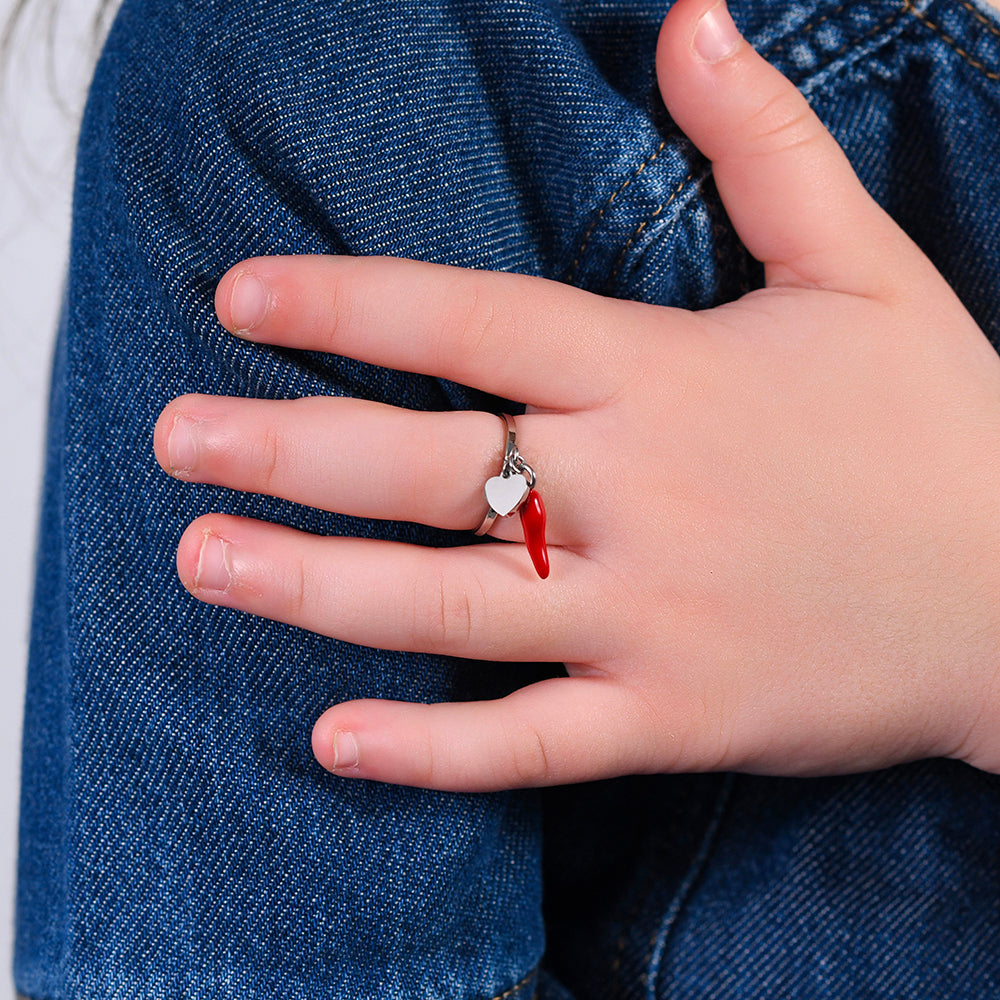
column 533, row 526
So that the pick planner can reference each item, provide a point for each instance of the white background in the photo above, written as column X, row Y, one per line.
column 36, row 154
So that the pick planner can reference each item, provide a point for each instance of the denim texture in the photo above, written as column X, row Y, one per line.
column 177, row 838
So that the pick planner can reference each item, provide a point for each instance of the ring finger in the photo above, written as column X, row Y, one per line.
column 477, row 601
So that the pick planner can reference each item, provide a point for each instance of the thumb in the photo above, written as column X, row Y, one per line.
column 787, row 186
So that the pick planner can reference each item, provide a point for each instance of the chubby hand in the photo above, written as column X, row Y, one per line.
column 774, row 526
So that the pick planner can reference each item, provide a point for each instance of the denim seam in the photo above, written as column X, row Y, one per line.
column 674, row 195
column 797, row 35
column 600, row 215
column 990, row 74
column 516, row 986
column 500, row 996
column 808, row 27
column 991, row 26
column 658, row 942
column 882, row 26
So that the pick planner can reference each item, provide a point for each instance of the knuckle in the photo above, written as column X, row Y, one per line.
column 480, row 326
column 337, row 306
column 445, row 616
column 295, row 590
column 425, row 768
column 267, row 460
column 784, row 122
column 528, row 756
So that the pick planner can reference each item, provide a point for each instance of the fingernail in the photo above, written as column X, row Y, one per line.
column 213, row 572
column 182, row 445
column 247, row 302
column 345, row 751
column 716, row 36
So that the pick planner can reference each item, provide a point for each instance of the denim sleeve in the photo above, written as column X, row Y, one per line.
column 177, row 838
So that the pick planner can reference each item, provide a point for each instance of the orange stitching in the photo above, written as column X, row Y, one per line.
column 642, row 225
column 879, row 28
column 804, row 30
column 813, row 25
column 990, row 74
column 799, row 34
column 989, row 25
column 883, row 26
column 516, row 986
column 600, row 215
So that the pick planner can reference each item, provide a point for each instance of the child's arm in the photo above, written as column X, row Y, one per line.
column 774, row 526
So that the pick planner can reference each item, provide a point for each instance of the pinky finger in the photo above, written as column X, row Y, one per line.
column 556, row 731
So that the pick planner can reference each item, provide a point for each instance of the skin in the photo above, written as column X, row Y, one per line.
column 797, row 569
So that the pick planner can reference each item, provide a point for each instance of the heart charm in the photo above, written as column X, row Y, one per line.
column 506, row 493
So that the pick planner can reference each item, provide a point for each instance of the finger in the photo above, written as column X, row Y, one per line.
column 479, row 602
column 367, row 459
column 553, row 732
column 787, row 185
column 522, row 338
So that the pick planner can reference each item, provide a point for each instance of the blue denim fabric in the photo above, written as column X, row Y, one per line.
column 177, row 838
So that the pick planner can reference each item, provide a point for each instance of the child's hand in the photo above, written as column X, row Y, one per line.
column 774, row 526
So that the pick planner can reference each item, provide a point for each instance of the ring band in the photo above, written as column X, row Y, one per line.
column 491, row 516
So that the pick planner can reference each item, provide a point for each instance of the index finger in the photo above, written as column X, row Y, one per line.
column 516, row 336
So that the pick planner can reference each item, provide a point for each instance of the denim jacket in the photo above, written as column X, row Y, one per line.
column 177, row 837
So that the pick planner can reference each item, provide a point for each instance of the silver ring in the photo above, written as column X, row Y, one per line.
column 510, row 489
